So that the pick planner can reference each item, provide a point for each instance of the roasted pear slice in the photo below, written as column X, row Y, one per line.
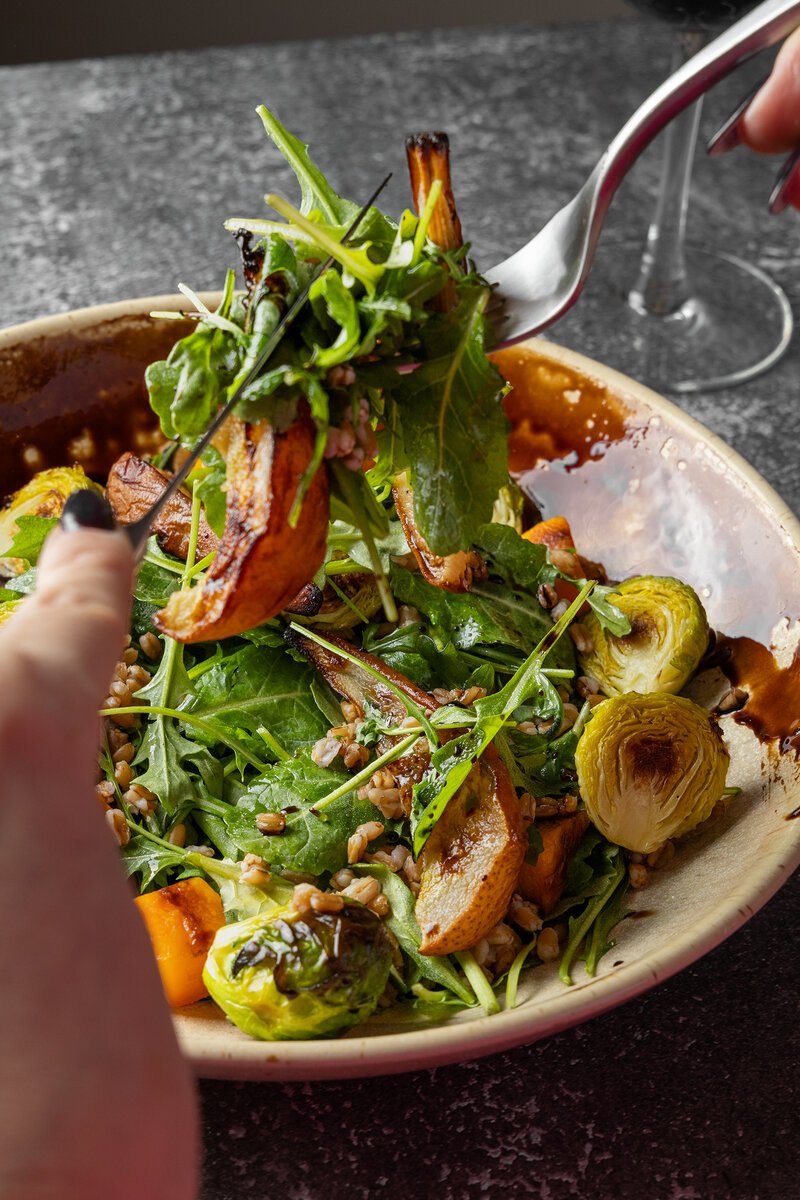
column 358, row 686
column 262, row 562
column 543, row 881
column 453, row 572
column 471, row 861
column 134, row 486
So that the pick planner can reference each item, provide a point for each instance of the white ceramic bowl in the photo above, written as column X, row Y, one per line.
column 646, row 489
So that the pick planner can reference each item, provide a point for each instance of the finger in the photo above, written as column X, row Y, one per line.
column 66, row 637
column 771, row 124
column 786, row 190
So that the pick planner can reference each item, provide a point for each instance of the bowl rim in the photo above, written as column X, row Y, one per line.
column 377, row 1054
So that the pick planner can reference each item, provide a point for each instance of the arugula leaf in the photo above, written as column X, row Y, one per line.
column 610, row 617
column 30, row 537
column 187, row 389
column 610, row 916
column 317, row 192
column 153, row 862
column 208, row 483
column 491, row 614
column 410, row 650
column 159, row 575
column 308, row 843
column 609, row 877
column 253, row 686
column 546, row 765
column 453, row 418
column 448, row 770
column 175, row 763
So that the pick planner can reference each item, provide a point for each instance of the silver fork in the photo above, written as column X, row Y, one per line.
column 542, row 280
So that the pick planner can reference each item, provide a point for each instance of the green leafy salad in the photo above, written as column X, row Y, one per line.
column 447, row 755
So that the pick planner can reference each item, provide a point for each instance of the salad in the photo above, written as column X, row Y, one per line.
column 380, row 736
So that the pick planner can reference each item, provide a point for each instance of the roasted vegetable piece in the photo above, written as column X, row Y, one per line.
column 361, row 590
column 361, row 688
column 42, row 496
column 650, row 768
column 134, row 486
column 454, row 572
column 182, row 920
column 669, row 635
column 7, row 609
column 471, row 861
column 428, row 156
column 262, row 562
column 285, row 975
column 543, row 882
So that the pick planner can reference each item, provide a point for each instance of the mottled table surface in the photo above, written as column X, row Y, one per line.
column 116, row 175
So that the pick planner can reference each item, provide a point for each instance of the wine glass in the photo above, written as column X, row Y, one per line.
column 682, row 318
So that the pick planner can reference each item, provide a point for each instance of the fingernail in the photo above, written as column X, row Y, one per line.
column 728, row 136
column 778, row 197
column 86, row 509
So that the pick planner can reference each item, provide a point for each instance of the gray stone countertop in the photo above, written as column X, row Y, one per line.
column 116, row 176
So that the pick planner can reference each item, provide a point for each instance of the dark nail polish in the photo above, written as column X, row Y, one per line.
column 728, row 136
column 86, row 510
column 777, row 197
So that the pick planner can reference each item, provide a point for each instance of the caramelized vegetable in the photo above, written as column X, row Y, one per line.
column 454, row 572
column 543, row 881
column 554, row 533
column 428, row 156
column 650, row 768
column 182, row 920
column 134, row 486
column 471, row 861
column 43, row 496
column 262, row 562
column 357, row 686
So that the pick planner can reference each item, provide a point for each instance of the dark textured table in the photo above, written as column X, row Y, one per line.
column 116, row 175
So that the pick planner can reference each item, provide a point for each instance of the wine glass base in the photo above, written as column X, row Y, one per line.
column 737, row 324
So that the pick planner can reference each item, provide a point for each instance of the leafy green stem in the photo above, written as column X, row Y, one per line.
column 411, row 708
column 211, row 731
column 478, row 981
column 364, row 775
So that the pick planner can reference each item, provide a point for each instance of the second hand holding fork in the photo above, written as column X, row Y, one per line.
column 538, row 283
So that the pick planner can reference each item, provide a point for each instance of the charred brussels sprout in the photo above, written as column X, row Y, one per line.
column 362, row 603
column 650, row 768
column 44, row 496
column 284, row 975
column 7, row 608
column 668, row 637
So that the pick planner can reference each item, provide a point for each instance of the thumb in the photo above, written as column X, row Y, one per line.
column 67, row 636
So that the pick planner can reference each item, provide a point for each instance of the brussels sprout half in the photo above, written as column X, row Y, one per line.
column 361, row 590
column 668, row 637
column 43, row 496
column 284, row 975
column 650, row 768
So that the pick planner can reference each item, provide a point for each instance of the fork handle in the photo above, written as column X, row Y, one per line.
column 767, row 24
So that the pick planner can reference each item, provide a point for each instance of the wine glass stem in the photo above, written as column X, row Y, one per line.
column 663, row 285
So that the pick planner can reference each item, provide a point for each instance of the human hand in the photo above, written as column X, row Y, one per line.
column 769, row 123
column 102, row 1101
